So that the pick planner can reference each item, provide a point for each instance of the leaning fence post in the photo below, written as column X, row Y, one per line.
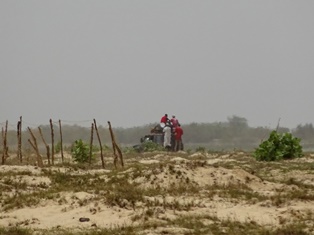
column 35, row 147
column 101, row 150
column 115, row 147
column 47, row 146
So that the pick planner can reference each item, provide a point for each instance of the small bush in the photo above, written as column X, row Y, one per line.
column 150, row 146
column 200, row 149
column 129, row 150
column 278, row 147
column 58, row 147
column 80, row 151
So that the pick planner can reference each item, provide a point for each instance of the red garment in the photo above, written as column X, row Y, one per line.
column 174, row 122
column 164, row 119
column 178, row 133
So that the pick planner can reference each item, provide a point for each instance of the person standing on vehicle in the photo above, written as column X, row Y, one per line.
column 178, row 138
column 174, row 121
column 164, row 119
column 167, row 136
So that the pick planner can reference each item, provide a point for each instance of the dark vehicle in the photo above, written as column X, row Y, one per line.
column 156, row 136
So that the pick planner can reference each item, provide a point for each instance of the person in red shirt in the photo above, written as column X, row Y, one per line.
column 164, row 119
column 178, row 138
column 174, row 121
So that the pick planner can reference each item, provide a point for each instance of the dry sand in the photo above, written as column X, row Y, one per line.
column 208, row 171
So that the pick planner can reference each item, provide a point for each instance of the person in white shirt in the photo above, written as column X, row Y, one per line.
column 167, row 136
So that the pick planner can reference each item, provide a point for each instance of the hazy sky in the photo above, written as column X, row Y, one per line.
column 131, row 61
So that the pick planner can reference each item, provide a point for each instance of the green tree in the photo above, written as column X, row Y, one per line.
column 238, row 123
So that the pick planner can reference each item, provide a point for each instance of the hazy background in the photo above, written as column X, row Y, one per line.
column 129, row 62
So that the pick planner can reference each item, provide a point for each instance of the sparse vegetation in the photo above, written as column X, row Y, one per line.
column 15, row 231
column 173, row 193
column 201, row 149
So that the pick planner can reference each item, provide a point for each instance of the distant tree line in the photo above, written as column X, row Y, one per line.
column 235, row 133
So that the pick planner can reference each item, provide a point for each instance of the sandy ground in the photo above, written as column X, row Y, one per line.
column 50, row 214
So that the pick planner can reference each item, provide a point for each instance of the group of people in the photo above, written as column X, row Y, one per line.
column 172, row 132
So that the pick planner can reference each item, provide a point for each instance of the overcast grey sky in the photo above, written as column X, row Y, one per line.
column 131, row 61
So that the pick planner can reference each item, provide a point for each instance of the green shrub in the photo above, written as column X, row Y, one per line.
column 278, row 147
column 80, row 151
column 58, row 147
column 129, row 150
column 200, row 149
column 150, row 146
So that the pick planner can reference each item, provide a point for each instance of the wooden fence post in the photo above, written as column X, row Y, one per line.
column 35, row 147
column 19, row 139
column 3, row 147
column 47, row 146
column 5, row 150
column 61, row 141
column 115, row 147
column 101, row 149
column 52, row 143
column 91, row 144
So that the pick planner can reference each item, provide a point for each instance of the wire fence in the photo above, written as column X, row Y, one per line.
column 25, row 124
